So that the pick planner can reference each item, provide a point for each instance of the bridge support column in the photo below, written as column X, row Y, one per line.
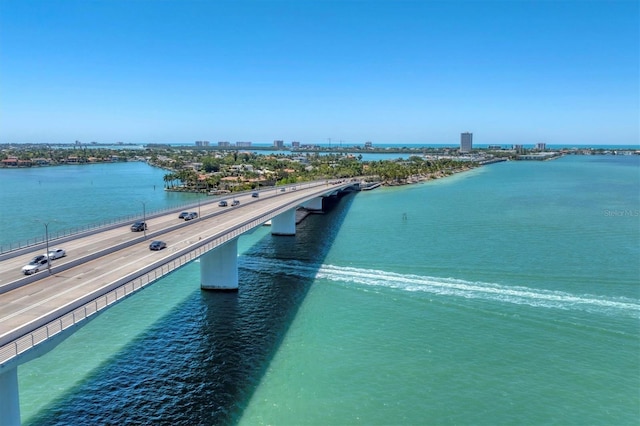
column 284, row 223
column 9, row 398
column 314, row 204
column 219, row 268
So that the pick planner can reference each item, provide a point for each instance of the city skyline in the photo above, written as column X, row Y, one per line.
column 410, row 72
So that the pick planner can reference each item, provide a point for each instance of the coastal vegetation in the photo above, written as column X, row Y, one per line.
column 211, row 170
column 233, row 171
column 201, row 170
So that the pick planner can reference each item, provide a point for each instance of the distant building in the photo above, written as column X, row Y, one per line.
column 11, row 161
column 224, row 144
column 243, row 144
column 202, row 143
column 278, row 144
column 295, row 144
column 368, row 145
column 41, row 161
column 519, row 149
column 494, row 147
column 541, row 146
column 466, row 142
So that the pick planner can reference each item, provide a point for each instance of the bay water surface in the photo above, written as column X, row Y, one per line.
column 509, row 294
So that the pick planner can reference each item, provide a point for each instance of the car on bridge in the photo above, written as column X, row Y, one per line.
column 183, row 215
column 56, row 253
column 139, row 226
column 255, row 194
column 192, row 215
column 222, row 203
column 157, row 245
column 37, row 264
column 235, row 202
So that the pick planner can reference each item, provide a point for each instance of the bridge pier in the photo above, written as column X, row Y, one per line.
column 284, row 223
column 219, row 268
column 9, row 398
column 314, row 204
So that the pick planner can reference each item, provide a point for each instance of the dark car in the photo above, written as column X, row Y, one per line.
column 222, row 203
column 255, row 195
column 191, row 215
column 183, row 215
column 235, row 202
column 139, row 226
column 157, row 245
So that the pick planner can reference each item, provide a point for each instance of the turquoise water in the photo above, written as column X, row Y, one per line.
column 72, row 197
column 509, row 294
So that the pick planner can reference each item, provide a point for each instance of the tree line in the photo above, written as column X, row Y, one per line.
column 244, row 171
column 203, row 170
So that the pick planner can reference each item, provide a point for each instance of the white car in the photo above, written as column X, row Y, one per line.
column 37, row 264
column 56, row 253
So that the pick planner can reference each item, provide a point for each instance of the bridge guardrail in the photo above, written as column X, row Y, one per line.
column 11, row 249
column 21, row 340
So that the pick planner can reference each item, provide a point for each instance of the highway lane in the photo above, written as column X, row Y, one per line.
column 29, row 304
column 10, row 269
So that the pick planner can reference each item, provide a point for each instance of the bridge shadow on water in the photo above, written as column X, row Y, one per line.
column 201, row 363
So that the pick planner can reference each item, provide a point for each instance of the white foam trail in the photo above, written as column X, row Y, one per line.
column 447, row 286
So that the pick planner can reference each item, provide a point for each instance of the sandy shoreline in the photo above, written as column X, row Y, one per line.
column 426, row 177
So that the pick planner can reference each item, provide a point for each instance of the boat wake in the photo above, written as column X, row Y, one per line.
column 446, row 286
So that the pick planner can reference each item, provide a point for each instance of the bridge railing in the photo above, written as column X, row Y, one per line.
column 56, row 237
column 81, row 313
column 126, row 287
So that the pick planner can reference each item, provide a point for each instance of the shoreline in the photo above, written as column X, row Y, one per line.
column 411, row 180
column 428, row 177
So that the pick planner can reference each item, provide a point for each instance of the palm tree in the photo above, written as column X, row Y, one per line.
column 168, row 178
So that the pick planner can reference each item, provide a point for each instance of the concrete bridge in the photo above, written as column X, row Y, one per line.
column 103, row 266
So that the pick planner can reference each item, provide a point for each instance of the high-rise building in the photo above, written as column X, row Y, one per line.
column 278, row 144
column 466, row 142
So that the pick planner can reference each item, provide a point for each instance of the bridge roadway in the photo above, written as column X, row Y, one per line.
column 81, row 276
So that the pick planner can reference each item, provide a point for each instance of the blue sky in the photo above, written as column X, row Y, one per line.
column 167, row 71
